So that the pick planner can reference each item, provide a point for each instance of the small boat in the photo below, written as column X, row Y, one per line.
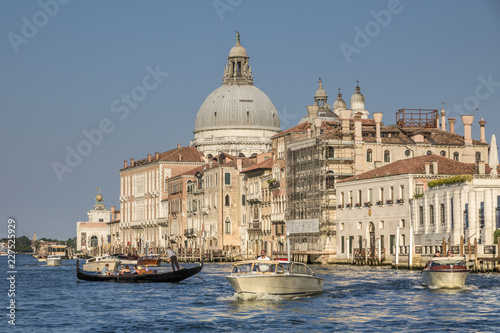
column 126, row 259
column 149, row 261
column 53, row 260
column 42, row 258
column 287, row 279
column 445, row 272
column 175, row 276
column 96, row 264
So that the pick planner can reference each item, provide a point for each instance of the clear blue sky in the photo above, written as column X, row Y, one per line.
column 65, row 68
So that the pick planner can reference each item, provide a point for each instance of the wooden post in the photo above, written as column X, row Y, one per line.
column 475, row 252
column 498, row 247
column 461, row 246
column 468, row 245
column 443, row 249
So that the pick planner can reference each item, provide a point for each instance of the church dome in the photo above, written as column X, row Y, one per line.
column 339, row 104
column 357, row 97
column 238, row 51
column 242, row 106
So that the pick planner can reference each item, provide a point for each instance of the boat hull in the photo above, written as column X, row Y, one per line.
column 445, row 278
column 286, row 286
column 156, row 261
column 175, row 276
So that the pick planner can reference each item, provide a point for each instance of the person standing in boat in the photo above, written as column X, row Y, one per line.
column 450, row 254
column 263, row 256
column 173, row 258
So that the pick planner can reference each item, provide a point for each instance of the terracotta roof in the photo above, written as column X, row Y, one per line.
column 266, row 164
column 415, row 165
column 182, row 154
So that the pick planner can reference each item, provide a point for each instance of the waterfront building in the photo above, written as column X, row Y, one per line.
column 92, row 235
column 143, row 197
column 261, row 234
column 391, row 211
column 237, row 118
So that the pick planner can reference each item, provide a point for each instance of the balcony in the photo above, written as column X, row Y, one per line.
column 254, row 197
column 189, row 233
column 162, row 221
column 274, row 184
column 205, row 210
column 254, row 226
column 277, row 217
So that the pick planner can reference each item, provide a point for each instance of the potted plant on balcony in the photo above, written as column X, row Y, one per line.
column 348, row 205
column 400, row 201
column 368, row 204
column 358, row 204
column 389, row 202
column 380, row 203
column 340, row 206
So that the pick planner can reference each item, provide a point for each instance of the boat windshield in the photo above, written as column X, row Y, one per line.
column 244, row 268
column 258, row 267
column 300, row 268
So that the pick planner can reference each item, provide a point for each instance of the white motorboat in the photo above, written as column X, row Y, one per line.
column 251, row 279
column 96, row 264
column 445, row 272
column 53, row 260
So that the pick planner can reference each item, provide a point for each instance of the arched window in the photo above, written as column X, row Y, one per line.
column 478, row 157
column 387, row 156
column 227, row 200
column 215, row 118
column 456, row 156
column 94, row 241
column 369, row 155
column 209, row 156
column 429, row 152
column 241, row 155
column 227, row 225
column 442, row 153
column 248, row 117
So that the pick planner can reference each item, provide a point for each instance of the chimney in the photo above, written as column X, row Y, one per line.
column 443, row 119
column 481, row 168
column 483, row 133
column 434, row 167
column 180, row 157
column 317, row 124
column 113, row 213
column 358, row 133
column 345, row 115
column 312, row 111
column 238, row 164
column 452, row 125
column 467, row 120
column 131, row 162
column 149, row 158
column 125, row 164
column 427, row 168
column 178, row 146
column 210, row 163
column 157, row 156
column 377, row 116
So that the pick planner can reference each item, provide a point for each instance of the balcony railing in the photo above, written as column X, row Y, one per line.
column 189, row 232
column 254, row 226
column 277, row 217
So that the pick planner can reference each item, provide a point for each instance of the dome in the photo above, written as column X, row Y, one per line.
column 238, row 51
column 242, row 106
column 357, row 97
column 339, row 104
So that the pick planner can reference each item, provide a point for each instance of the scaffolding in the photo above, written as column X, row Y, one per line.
column 424, row 118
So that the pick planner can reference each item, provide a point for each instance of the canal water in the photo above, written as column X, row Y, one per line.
column 355, row 299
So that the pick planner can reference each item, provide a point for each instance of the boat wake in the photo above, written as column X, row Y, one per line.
column 258, row 297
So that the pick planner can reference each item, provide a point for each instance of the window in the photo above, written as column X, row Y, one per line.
column 244, row 219
column 94, row 241
column 382, row 241
column 331, row 152
column 421, row 215
column 402, row 192
column 381, row 224
column 369, row 155
column 360, row 242
column 431, row 214
column 101, row 220
column 227, row 178
column 456, row 156
column 342, row 226
column 478, row 157
column 402, row 223
column 350, row 198
column 429, row 152
column 442, row 153
column 381, row 194
column 360, row 199
column 360, row 225
column 370, row 195
column 227, row 201
column 243, row 201
column 407, row 152
column 342, row 247
column 387, row 156
column 443, row 214
column 392, row 242
column 391, row 193
column 227, row 226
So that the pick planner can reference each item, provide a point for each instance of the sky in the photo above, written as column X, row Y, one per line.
column 85, row 85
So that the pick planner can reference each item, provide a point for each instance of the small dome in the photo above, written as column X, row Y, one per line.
column 339, row 104
column 238, row 51
column 357, row 97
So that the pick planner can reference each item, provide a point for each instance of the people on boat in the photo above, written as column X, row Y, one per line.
column 438, row 254
column 450, row 254
column 135, row 270
column 125, row 270
column 105, row 270
column 173, row 258
column 263, row 256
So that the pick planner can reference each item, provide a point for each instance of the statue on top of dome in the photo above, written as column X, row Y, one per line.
column 237, row 38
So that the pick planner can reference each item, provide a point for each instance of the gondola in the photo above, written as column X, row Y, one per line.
column 175, row 276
